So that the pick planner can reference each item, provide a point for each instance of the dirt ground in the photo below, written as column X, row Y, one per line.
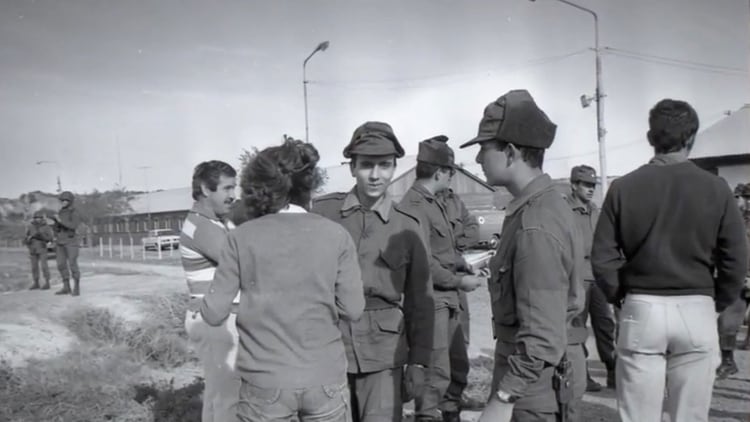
column 29, row 327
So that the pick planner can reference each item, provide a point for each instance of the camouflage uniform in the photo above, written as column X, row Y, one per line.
column 66, row 225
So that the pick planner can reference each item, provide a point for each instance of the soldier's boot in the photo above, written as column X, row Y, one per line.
column 728, row 366
column 46, row 285
column 35, row 285
column 65, row 289
column 451, row 416
column 76, row 287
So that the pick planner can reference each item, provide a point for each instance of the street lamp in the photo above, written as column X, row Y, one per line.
column 148, row 196
column 59, row 185
column 321, row 47
column 598, row 97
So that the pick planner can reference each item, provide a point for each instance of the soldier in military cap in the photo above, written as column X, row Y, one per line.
column 730, row 319
column 435, row 167
column 395, row 269
column 583, row 185
column 38, row 234
column 535, row 276
column 66, row 222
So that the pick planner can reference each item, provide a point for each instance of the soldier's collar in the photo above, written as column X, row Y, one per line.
column 578, row 205
column 531, row 190
column 382, row 207
column 420, row 189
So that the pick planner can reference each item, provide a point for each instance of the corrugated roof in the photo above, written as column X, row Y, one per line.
column 179, row 199
column 729, row 136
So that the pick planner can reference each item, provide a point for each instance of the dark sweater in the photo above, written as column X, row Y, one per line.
column 297, row 275
column 670, row 228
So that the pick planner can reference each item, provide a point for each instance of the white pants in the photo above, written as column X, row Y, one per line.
column 670, row 341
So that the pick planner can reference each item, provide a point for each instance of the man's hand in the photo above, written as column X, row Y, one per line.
column 496, row 411
column 413, row 384
column 471, row 282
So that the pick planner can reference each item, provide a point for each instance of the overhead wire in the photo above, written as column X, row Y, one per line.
column 678, row 63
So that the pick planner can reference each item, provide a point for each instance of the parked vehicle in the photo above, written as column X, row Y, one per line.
column 161, row 239
column 490, row 226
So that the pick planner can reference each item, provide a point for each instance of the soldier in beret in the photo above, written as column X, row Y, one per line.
column 535, row 276
column 38, row 234
column 435, row 167
column 583, row 184
column 393, row 258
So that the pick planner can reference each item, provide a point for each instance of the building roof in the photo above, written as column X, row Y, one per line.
column 179, row 199
column 728, row 137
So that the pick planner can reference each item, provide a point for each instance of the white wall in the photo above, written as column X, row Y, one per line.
column 735, row 174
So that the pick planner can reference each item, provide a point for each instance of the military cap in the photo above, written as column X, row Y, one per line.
column 515, row 118
column 583, row 173
column 436, row 151
column 39, row 214
column 374, row 138
column 66, row 196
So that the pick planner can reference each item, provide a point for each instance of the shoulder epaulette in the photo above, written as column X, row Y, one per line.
column 405, row 211
column 330, row 196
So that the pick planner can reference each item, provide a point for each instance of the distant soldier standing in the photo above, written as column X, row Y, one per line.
column 535, row 281
column 583, row 185
column 38, row 234
column 466, row 234
column 67, row 221
column 730, row 320
column 435, row 167
column 397, row 324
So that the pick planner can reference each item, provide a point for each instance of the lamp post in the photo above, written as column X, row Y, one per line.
column 598, row 97
column 59, row 185
column 321, row 47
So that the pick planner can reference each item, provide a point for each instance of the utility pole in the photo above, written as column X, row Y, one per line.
column 321, row 47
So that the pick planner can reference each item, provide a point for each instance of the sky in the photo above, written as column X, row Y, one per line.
column 105, row 88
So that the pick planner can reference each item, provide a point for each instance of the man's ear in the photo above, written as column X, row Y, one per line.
column 689, row 143
column 649, row 137
column 205, row 190
column 511, row 154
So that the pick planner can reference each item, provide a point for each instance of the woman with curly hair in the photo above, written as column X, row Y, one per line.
column 298, row 274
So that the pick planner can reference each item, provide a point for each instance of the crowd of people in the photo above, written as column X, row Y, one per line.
column 346, row 306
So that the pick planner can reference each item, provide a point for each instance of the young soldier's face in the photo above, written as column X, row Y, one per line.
column 494, row 162
column 583, row 191
column 221, row 199
column 373, row 174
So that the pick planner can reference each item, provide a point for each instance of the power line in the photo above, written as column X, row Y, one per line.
column 683, row 64
column 686, row 62
column 519, row 66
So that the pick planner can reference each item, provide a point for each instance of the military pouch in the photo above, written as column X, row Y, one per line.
column 562, row 382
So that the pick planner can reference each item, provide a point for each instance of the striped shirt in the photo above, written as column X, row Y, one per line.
column 202, row 237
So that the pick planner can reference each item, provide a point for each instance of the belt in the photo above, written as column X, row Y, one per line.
column 576, row 335
column 373, row 303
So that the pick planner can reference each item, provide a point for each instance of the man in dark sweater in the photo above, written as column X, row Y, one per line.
column 669, row 246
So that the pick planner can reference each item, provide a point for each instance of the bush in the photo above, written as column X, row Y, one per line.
column 169, row 405
column 152, row 340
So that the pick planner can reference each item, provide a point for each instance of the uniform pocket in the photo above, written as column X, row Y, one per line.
column 393, row 258
column 634, row 319
column 389, row 321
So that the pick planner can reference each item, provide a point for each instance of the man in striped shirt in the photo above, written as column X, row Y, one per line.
column 203, row 235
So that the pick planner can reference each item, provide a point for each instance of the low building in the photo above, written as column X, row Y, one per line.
column 724, row 147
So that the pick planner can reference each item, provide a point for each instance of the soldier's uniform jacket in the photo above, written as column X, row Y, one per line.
column 535, row 287
column 586, row 216
column 394, row 264
column 66, row 225
column 465, row 226
column 37, row 237
column 437, row 228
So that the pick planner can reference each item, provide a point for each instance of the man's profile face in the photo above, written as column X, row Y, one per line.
column 65, row 203
column 494, row 162
column 584, row 191
column 221, row 199
column 373, row 174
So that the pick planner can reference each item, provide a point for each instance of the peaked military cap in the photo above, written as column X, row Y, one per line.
column 583, row 173
column 436, row 151
column 66, row 196
column 515, row 118
column 374, row 138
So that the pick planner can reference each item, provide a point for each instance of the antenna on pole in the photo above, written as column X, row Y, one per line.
column 119, row 162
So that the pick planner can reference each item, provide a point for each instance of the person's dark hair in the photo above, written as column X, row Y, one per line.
column 278, row 176
column 672, row 126
column 534, row 157
column 427, row 170
column 208, row 173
